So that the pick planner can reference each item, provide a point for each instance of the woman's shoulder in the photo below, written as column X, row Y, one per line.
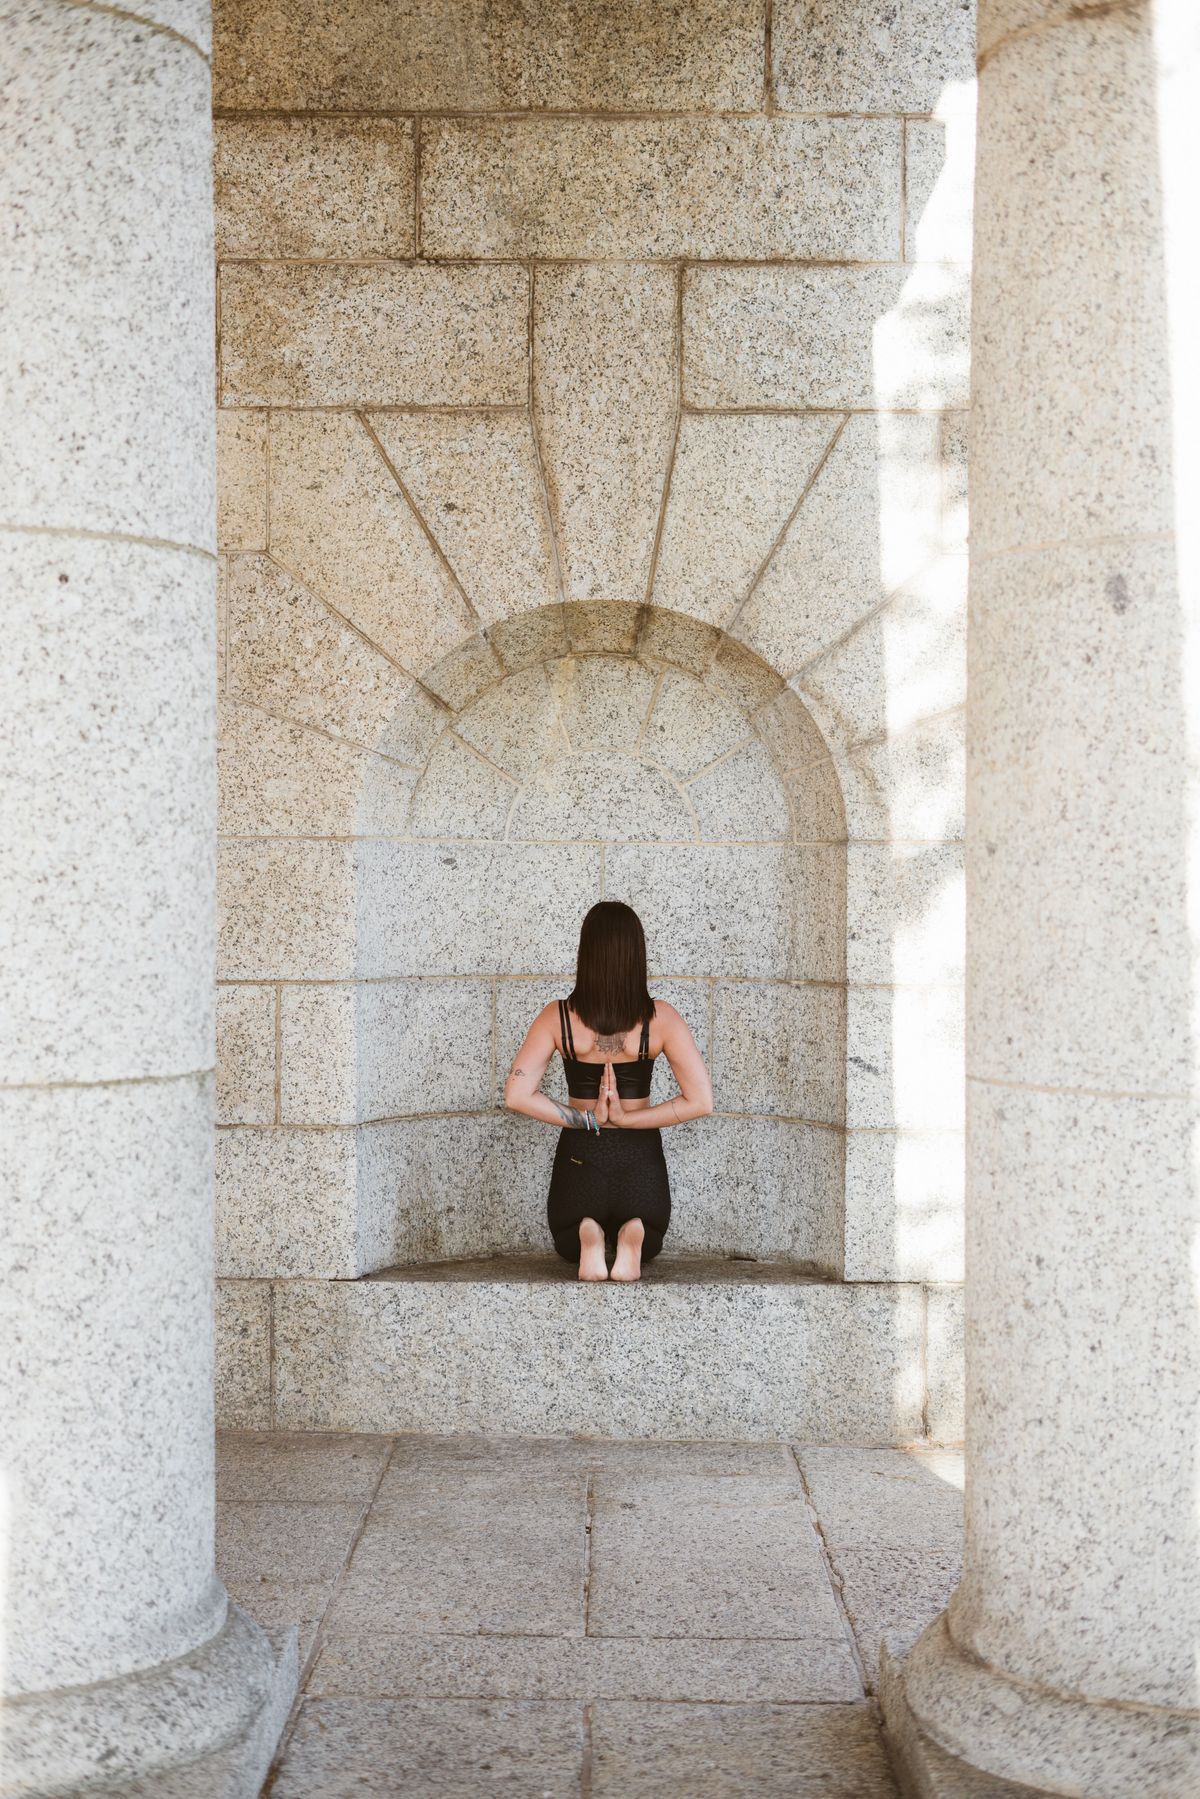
column 665, row 1015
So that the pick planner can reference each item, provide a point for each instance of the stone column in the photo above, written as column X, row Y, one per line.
column 123, row 1661
column 1067, row 1659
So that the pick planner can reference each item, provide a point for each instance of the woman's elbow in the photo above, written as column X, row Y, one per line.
column 705, row 1103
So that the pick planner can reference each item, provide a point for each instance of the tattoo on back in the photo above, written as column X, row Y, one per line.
column 610, row 1043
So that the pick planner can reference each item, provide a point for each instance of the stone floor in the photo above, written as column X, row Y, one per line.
column 584, row 1617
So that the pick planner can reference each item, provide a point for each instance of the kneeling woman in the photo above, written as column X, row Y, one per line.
column 609, row 1186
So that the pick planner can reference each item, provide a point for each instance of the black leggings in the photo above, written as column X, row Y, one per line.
column 612, row 1177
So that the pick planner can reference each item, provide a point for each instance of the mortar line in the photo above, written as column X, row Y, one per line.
column 521, row 258
column 271, row 1389
column 1075, row 15
column 300, row 724
column 831, row 1571
column 318, row 1642
column 903, row 188
column 137, row 18
column 556, row 562
column 589, row 1515
column 769, row 108
column 116, row 1080
column 279, row 1052
column 268, row 509
column 655, row 691
column 417, row 124
column 417, row 513
column 669, row 470
column 781, row 536
column 925, row 1363
column 80, row 533
column 531, row 115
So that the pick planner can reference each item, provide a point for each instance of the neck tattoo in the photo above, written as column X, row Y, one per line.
column 610, row 1043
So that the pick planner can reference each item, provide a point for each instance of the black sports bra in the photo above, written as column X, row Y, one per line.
column 583, row 1078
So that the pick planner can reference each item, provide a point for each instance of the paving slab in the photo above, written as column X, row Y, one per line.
column 432, row 1749
column 649, row 1751
column 290, row 1541
column 902, row 1499
column 732, row 1556
column 469, row 1552
column 518, row 1667
column 274, row 1465
column 893, row 1593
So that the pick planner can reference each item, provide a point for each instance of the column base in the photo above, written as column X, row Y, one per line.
column 962, row 1730
column 203, row 1727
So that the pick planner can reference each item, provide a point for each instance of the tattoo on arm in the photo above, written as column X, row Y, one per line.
column 572, row 1120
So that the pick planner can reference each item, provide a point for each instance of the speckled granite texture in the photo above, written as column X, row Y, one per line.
column 490, row 1613
column 700, row 1347
column 592, row 524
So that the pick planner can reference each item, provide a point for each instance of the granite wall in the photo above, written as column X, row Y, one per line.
column 592, row 505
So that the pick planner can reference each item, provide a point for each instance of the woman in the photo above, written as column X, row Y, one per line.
column 610, row 1176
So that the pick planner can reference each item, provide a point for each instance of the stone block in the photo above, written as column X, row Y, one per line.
column 377, row 567
column 895, row 1593
column 286, row 1204
column 677, row 638
column 781, row 1050
column 870, row 522
column 602, row 627
column 603, row 701
column 831, row 1363
column 868, row 1499
column 279, row 780
column 689, row 728
column 939, row 186
column 451, row 1525
column 296, row 1540
column 602, row 794
column 734, row 484
column 819, row 919
column 407, row 335
column 904, row 1205
column 385, row 1049
column 285, row 910
column 786, row 727
column 438, row 1747
column 287, row 1465
column 906, row 912
column 107, row 802
column 741, row 800
column 528, row 637
column 477, row 482
column 709, row 909
column 515, row 723
column 245, row 1055
column 945, row 1354
column 763, row 1190
column 869, row 56
column 321, row 188
column 605, row 403
column 1105, row 443
column 109, row 1228
column 776, row 1750
column 790, row 1670
column 291, row 656
column 479, row 57
column 903, row 663
column 111, row 282
column 447, row 1189
column 1074, row 869
column 904, row 1055
column 461, row 794
column 241, row 480
column 818, row 811
column 793, row 336
column 243, row 1349
column 734, row 1556
column 427, row 909
column 661, row 188
column 743, row 677
column 910, row 785
column 465, row 672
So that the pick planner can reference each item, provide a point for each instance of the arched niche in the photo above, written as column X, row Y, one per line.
column 599, row 751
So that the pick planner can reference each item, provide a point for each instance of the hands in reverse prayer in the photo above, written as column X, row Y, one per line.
column 609, row 1109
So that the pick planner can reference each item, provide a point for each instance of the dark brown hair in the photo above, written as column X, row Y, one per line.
column 610, row 992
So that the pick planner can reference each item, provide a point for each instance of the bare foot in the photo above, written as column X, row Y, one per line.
column 592, row 1263
column 627, row 1265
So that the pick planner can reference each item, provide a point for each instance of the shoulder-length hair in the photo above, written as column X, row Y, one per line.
column 610, row 992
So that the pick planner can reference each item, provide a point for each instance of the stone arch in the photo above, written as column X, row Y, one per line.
column 717, row 813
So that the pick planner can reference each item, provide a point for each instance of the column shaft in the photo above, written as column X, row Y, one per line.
column 1067, row 1659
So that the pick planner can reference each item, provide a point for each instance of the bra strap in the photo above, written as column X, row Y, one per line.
column 644, row 1045
column 568, row 1040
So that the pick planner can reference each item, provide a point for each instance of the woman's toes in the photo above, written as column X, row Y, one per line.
column 593, row 1265
column 627, row 1265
